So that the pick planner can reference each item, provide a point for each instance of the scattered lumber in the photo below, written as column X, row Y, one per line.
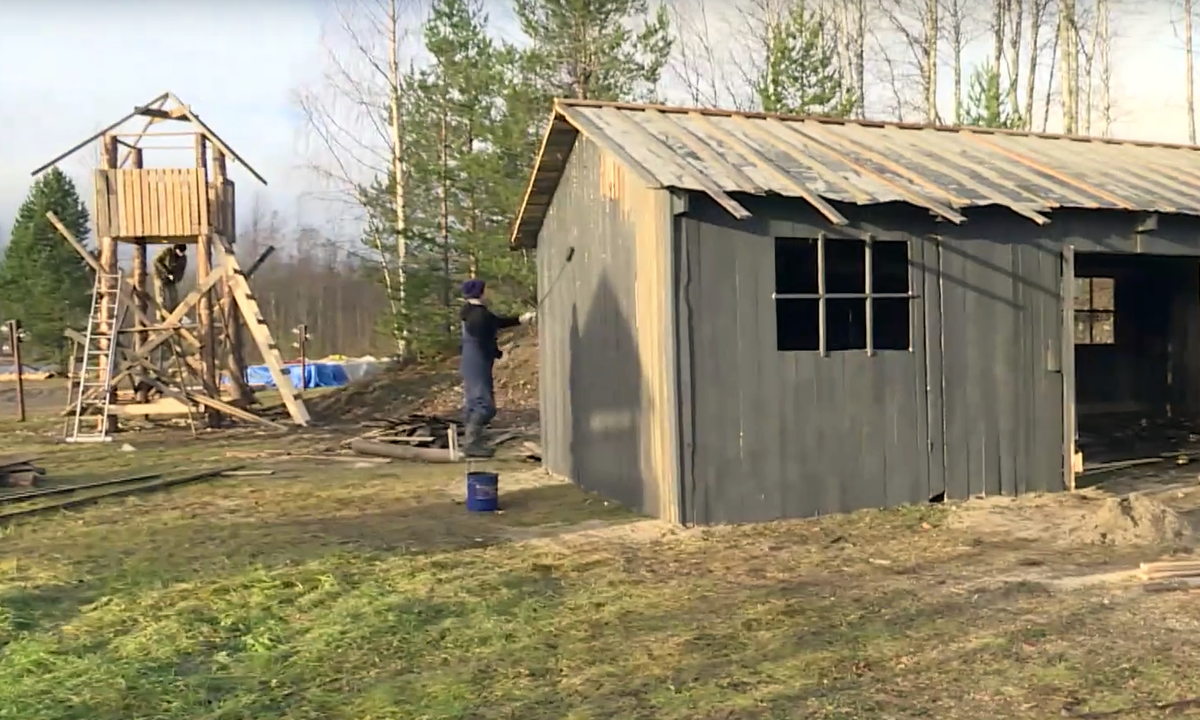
column 424, row 432
column 75, row 487
column 417, row 431
column 1170, row 570
column 402, row 452
column 18, row 471
column 121, row 487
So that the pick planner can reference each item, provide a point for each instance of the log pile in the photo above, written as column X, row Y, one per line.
column 18, row 471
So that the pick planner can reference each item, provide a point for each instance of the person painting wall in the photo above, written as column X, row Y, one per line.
column 480, row 351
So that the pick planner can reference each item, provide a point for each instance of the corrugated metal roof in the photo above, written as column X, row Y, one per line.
column 943, row 169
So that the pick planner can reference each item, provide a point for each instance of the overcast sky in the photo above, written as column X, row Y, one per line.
column 68, row 68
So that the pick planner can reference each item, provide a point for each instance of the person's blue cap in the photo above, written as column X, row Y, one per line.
column 473, row 289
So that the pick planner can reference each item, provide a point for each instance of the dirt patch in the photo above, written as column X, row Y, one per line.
column 1085, row 518
column 638, row 532
column 433, row 388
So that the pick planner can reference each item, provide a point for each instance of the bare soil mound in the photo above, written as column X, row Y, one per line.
column 434, row 388
column 1075, row 519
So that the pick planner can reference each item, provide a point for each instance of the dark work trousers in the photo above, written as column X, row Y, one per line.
column 478, row 393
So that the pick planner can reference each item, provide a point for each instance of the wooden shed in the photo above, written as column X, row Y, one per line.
column 751, row 317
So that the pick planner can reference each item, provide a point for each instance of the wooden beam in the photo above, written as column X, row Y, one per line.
column 217, row 142
column 782, row 177
column 669, row 156
column 258, row 263
column 99, row 134
column 262, row 337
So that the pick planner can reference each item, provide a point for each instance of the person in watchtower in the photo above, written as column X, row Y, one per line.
column 479, row 352
column 169, row 266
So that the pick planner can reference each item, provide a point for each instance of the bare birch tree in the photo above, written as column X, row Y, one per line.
column 1014, row 10
column 956, row 33
column 1104, row 49
column 698, row 63
column 1068, row 42
column 913, row 24
column 355, row 120
column 931, row 60
column 1189, row 70
column 1037, row 18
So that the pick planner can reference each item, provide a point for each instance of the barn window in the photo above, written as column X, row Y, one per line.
column 838, row 295
column 1095, row 311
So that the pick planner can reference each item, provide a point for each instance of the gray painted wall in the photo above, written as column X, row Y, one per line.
column 592, row 383
column 974, row 406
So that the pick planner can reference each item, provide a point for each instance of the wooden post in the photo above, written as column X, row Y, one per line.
column 302, row 331
column 140, row 287
column 109, row 266
column 1067, row 363
column 14, row 342
column 204, row 320
column 229, row 350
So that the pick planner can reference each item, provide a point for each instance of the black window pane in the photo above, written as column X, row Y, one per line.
column 797, row 324
column 846, row 324
column 889, row 266
column 845, row 266
column 890, row 324
column 795, row 266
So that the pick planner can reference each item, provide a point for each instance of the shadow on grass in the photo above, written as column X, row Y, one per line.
column 448, row 525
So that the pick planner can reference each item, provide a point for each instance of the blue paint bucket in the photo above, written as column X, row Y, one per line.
column 483, row 491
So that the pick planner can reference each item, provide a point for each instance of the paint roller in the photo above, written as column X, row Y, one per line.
column 561, row 270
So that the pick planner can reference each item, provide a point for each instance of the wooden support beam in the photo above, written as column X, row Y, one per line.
column 229, row 349
column 204, row 311
column 262, row 338
column 139, row 271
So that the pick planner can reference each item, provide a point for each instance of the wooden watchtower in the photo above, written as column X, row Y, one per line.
column 148, row 207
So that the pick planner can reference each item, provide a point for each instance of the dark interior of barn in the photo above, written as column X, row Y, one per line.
column 1137, row 355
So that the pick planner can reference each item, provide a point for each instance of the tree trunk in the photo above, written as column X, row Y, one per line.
column 1016, row 9
column 1190, row 68
column 444, row 211
column 931, row 44
column 1050, row 81
column 393, row 43
column 956, row 50
column 998, row 8
column 1037, row 14
column 1069, row 60
column 860, row 57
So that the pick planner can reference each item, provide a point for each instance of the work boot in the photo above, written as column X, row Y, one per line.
column 473, row 444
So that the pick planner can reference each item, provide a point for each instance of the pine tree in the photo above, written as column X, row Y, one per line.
column 588, row 49
column 801, row 74
column 986, row 104
column 470, row 121
column 43, row 281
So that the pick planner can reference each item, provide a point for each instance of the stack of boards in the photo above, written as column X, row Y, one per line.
column 19, row 471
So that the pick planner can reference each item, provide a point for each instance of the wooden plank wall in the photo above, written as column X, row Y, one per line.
column 649, row 212
column 606, row 384
column 151, row 203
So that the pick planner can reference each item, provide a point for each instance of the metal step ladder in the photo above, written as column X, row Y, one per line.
column 93, row 391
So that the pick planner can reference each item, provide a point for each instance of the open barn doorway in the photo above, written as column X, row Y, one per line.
column 1137, row 355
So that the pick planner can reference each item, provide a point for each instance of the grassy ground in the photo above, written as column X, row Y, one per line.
column 333, row 591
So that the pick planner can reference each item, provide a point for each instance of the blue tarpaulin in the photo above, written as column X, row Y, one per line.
column 316, row 375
